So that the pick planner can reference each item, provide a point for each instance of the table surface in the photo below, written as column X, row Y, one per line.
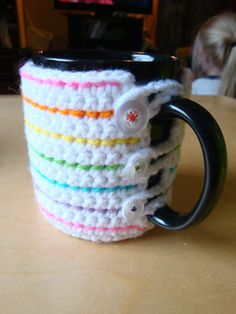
column 44, row 271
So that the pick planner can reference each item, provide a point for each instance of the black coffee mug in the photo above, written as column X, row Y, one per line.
column 131, row 118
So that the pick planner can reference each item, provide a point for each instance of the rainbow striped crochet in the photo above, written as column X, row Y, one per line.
column 91, row 179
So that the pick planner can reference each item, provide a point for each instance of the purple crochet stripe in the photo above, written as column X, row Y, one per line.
column 78, row 208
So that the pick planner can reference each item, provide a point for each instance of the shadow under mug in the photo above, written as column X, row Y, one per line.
column 147, row 67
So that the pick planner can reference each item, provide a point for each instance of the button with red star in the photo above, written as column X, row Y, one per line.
column 131, row 117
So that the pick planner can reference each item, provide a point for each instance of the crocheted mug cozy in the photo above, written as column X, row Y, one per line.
column 96, row 174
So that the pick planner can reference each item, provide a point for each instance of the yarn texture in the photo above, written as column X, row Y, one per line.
column 96, row 172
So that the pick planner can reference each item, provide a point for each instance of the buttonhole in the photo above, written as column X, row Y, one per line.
column 154, row 180
column 152, row 96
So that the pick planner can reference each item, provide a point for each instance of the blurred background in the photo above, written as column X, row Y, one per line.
column 163, row 26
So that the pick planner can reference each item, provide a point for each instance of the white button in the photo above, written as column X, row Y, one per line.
column 132, row 209
column 131, row 117
column 137, row 166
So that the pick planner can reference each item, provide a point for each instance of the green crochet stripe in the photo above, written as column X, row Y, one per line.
column 85, row 167
column 76, row 164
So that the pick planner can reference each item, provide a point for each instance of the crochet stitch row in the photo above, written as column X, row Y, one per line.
column 88, row 99
column 121, row 177
column 97, row 217
column 107, row 199
column 76, row 207
column 45, row 199
column 86, row 167
column 82, row 188
column 102, row 155
column 72, row 84
column 96, row 142
column 72, row 112
column 113, row 167
column 71, row 126
column 82, row 226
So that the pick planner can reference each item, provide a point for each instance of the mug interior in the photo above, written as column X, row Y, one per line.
column 145, row 66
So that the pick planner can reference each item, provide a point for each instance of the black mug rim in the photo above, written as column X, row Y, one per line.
column 101, row 56
column 144, row 65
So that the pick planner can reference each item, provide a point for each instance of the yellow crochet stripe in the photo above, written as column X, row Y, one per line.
column 80, row 140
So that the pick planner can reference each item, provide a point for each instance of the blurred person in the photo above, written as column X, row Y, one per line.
column 214, row 57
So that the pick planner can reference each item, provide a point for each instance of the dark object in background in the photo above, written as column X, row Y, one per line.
column 128, row 6
column 109, row 28
column 9, row 65
column 105, row 32
column 8, row 25
column 9, row 47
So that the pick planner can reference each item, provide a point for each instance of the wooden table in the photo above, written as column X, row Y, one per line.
column 45, row 271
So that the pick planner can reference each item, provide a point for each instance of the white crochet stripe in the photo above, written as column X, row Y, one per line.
column 60, row 147
column 84, row 99
column 87, row 154
column 77, row 177
column 43, row 197
column 87, row 181
column 150, row 208
column 94, row 98
column 110, row 199
column 69, row 220
column 73, row 153
column 87, row 188
column 106, row 178
column 97, row 236
column 88, row 128
column 59, row 214
column 81, row 76
column 94, row 218
column 163, row 89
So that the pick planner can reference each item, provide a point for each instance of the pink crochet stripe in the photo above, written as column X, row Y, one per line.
column 71, row 84
column 90, row 228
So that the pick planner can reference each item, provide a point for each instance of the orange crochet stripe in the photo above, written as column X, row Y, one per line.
column 71, row 112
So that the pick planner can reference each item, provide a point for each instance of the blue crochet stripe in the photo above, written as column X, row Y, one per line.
column 82, row 188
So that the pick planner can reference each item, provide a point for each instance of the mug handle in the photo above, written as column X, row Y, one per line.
column 215, row 162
